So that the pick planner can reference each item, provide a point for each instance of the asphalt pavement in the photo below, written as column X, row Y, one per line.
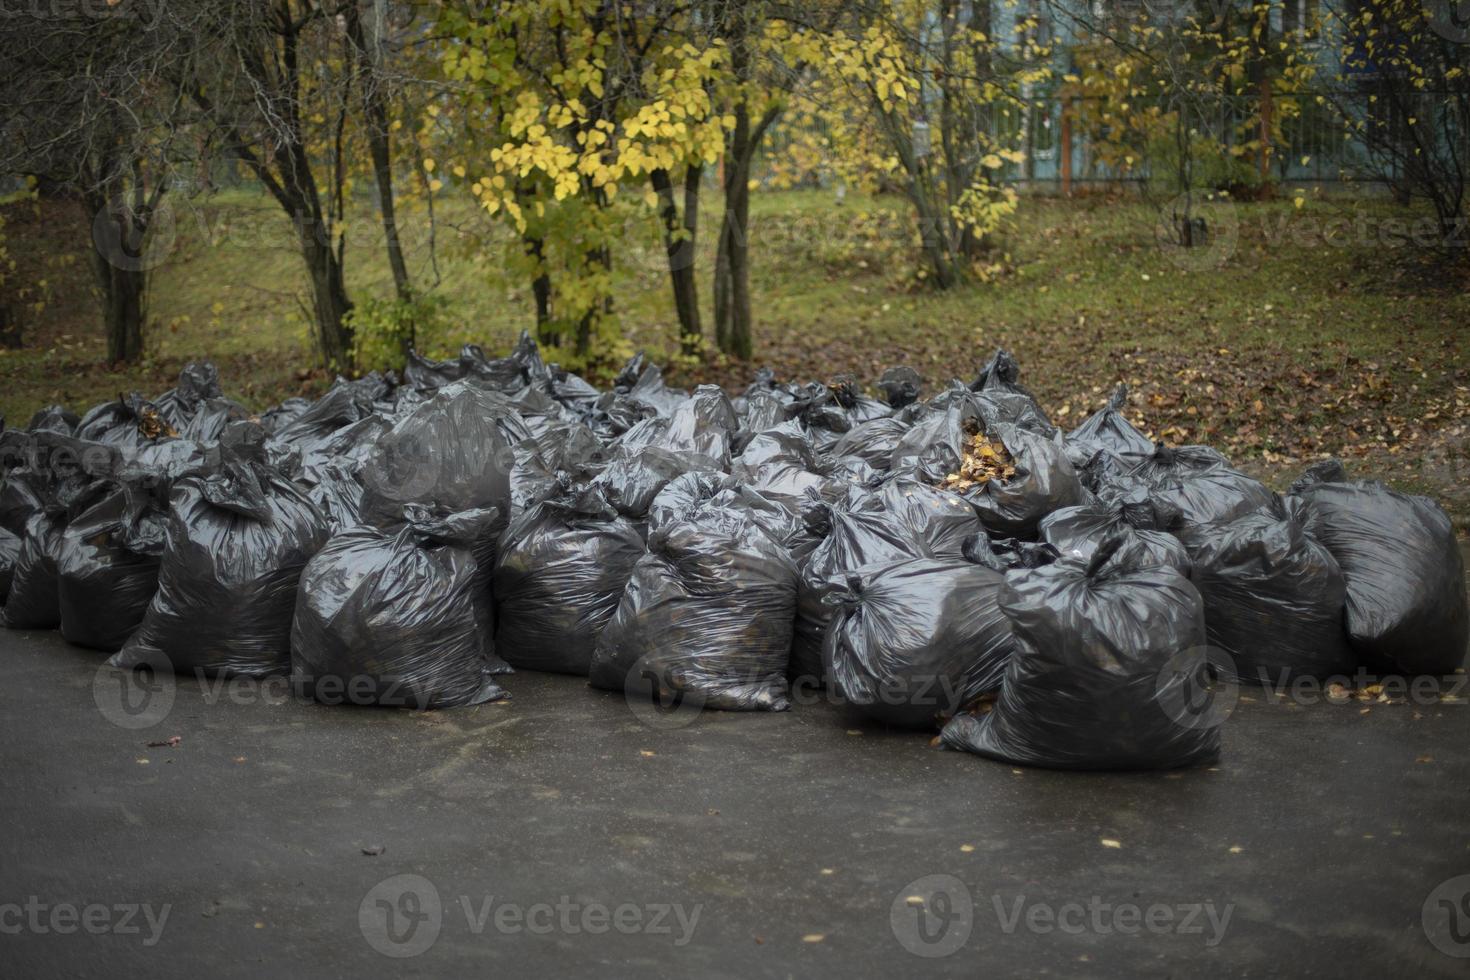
column 199, row 828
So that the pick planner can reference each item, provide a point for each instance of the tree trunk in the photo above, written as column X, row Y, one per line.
column 375, row 108
column 330, row 304
column 597, row 257
column 126, row 309
column 732, row 275
column 122, row 289
column 284, row 166
column 541, row 292
column 679, row 241
column 734, row 332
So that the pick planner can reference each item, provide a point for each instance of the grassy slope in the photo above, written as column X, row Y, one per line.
column 1316, row 334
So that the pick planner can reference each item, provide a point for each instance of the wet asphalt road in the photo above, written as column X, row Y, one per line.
column 562, row 834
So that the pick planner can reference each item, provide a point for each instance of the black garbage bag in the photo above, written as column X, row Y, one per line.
column 708, row 612
column 1077, row 532
column 939, row 522
column 635, row 477
column 1044, row 481
column 1274, row 599
column 572, row 390
column 847, row 393
column 511, row 374
column 566, row 449
column 781, row 462
column 29, row 479
column 160, row 465
column 342, row 406
column 32, row 602
column 761, row 409
column 1406, row 609
column 1199, row 483
column 207, row 423
column 1107, row 430
column 352, row 446
column 850, row 471
column 639, row 392
column 1007, row 408
column 333, row 486
column 531, row 478
column 930, row 448
column 1107, row 474
column 274, row 419
column 54, row 418
column 107, row 565
column 702, row 425
column 819, row 409
column 917, row 640
column 900, row 386
column 198, row 383
column 238, row 540
column 387, row 617
column 447, row 455
column 1007, row 400
column 50, row 486
column 865, row 531
column 424, row 373
column 9, row 552
column 127, row 423
column 872, row 441
column 382, row 389
column 561, row 571
column 685, row 495
column 1001, row 373
column 1007, row 554
column 539, row 410
column 1107, row 656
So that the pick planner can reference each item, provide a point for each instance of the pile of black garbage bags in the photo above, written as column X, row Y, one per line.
column 411, row 541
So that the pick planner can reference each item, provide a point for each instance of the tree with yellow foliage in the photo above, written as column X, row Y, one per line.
column 567, row 107
column 1402, row 87
column 911, row 90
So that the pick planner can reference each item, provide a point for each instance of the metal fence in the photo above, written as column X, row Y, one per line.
column 1312, row 140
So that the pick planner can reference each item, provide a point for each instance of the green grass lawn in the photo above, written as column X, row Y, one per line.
column 1296, row 332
